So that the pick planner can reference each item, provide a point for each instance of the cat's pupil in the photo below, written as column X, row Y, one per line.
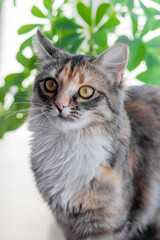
column 85, row 91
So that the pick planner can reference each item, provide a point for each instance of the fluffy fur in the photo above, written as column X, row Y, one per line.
column 96, row 161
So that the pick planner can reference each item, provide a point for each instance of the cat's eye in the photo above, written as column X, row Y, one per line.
column 50, row 85
column 86, row 92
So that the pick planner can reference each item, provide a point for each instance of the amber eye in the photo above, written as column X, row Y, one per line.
column 86, row 92
column 50, row 85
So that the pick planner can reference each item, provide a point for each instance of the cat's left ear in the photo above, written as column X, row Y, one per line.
column 114, row 60
column 44, row 48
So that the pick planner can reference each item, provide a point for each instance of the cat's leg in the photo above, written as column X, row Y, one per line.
column 92, row 224
column 100, row 211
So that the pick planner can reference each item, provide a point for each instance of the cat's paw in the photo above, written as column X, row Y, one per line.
column 83, row 201
column 74, row 209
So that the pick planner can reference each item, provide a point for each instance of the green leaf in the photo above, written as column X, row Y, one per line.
column 65, row 24
column 27, row 28
column 22, row 59
column 145, row 9
column 15, row 79
column 49, row 34
column 14, row 3
column 123, row 38
column 1, row 3
column 110, row 24
column 155, row 11
column 146, row 28
column 37, row 12
column 101, row 11
column 67, row 41
column 48, row 4
column 157, row 1
column 9, row 122
column 137, row 53
column 76, row 45
column 3, row 91
column 152, row 60
column 151, row 76
column 32, row 63
column 130, row 4
column 84, row 12
column 149, row 12
column 123, row 14
column 26, row 43
column 8, row 118
column 154, row 24
column 100, row 49
column 122, row 2
column 154, row 43
column 22, row 99
column 28, row 63
column 100, row 38
column 150, row 25
column 134, row 19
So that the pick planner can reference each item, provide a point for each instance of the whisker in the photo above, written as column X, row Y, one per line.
column 15, row 112
column 37, row 116
column 40, row 125
column 19, row 111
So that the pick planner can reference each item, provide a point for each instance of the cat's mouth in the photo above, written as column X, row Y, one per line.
column 66, row 115
column 62, row 117
column 66, row 119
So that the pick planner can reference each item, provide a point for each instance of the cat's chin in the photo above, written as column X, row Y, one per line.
column 65, row 124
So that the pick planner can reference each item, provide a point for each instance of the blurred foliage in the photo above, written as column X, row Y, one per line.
column 87, row 31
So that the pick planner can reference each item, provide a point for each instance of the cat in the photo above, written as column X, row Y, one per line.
column 95, row 144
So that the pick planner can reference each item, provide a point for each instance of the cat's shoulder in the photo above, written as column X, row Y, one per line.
column 144, row 92
column 143, row 109
column 142, row 97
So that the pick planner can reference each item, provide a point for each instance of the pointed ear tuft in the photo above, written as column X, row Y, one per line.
column 44, row 48
column 114, row 60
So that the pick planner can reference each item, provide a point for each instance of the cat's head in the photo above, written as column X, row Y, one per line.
column 73, row 91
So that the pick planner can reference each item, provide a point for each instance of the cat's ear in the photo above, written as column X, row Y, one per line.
column 114, row 60
column 44, row 48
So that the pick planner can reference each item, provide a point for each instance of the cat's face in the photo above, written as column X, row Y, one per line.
column 75, row 91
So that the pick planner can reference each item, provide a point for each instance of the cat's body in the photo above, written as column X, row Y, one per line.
column 96, row 158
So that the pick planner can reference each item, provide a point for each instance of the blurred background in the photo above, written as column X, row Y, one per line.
column 87, row 27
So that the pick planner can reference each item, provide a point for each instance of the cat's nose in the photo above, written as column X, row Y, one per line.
column 60, row 106
column 61, row 101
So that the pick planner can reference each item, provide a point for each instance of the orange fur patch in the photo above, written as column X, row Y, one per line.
column 111, row 176
column 71, row 81
column 95, row 198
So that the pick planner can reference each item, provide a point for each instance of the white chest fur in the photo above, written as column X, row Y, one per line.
column 66, row 162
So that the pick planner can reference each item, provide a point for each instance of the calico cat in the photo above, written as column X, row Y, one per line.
column 96, row 146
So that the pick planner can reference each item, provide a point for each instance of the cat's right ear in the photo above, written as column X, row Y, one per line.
column 114, row 60
column 44, row 48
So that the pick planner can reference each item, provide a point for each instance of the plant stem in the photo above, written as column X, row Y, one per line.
column 91, row 30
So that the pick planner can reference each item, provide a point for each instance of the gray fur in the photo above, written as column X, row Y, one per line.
column 96, row 163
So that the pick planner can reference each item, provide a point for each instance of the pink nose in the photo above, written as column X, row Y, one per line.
column 59, row 105
column 61, row 101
